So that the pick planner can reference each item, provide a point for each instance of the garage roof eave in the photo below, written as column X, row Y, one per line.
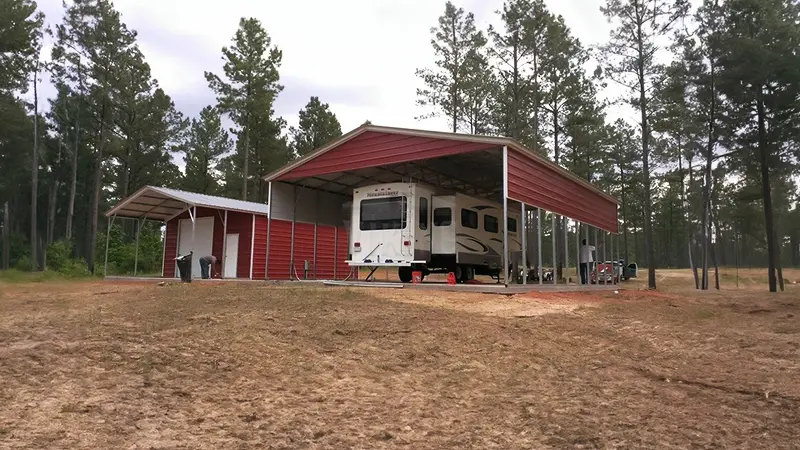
column 162, row 204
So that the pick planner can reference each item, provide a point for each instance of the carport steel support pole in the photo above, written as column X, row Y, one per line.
column 505, row 215
column 224, row 242
column 613, row 261
column 193, row 215
column 108, row 234
column 597, row 257
column 269, row 226
column 539, row 239
column 578, row 253
column 588, row 264
column 294, row 213
column 524, row 246
column 555, row 250
column 136, row 252
column 605, row 255
column 566, row 249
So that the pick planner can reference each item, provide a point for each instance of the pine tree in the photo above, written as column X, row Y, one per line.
column 455, row 41
column 518, row 50
column 760, row 77
column 247, row 94
column 93, row 45
column 206, row 143
column 318, row 126
column 630, row 57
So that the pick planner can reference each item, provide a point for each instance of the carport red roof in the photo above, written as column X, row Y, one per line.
column 469, row 163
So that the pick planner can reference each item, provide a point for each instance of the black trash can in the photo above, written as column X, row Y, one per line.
column 185, row 267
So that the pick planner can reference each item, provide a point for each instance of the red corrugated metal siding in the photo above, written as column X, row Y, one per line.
column 342, row 253
column 171, row 249
column 303, row 247
column 534, row 183
column 326, row 251
column 280, row 249
column 373, row 149
column 260, row 249
column 172, row 238
column 241, row 223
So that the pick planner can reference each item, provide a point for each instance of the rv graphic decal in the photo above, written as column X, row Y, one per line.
column 473, row 240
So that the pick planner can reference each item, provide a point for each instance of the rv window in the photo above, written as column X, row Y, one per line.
column 423, row 213
column 491, row 224
column 469, row 219
column 442, row 217
column 512, row 225
column 387, row 213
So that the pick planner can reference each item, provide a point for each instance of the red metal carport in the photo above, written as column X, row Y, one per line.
column 496, row 168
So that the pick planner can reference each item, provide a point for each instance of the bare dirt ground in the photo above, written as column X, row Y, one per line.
column 207, row 366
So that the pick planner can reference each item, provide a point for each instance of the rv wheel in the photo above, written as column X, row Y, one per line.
column 469, row 273
column 404, row 273
column 459, row 272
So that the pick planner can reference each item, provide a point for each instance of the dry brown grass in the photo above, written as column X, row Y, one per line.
column 100, row 365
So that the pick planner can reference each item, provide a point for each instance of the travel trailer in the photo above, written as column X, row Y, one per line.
column 415, row 227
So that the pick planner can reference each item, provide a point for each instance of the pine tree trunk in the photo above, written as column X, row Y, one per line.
column 246, row 156
column 778, row 263
column 98, row 182
column 35, row 171
column 6, row 232
column 624, row 215
column 688, row 221
column 560, row 223
column 456, row 69
column 648, row 224
column 766, row 192
column 74, row 169
column 52, row 198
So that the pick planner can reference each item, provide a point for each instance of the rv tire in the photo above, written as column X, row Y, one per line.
column 404, row 273
column 469, row 273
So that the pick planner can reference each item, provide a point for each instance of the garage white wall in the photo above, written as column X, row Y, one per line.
column 203, row 241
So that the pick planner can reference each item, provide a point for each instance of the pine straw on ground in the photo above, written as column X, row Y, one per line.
column 101, row 365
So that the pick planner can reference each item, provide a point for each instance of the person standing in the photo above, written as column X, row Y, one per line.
column 586, row 261
column 208, row 265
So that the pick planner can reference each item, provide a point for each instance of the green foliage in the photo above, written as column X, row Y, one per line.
column 207, row 142
column 318, row 126
column 456, row 43
column 518, row 50
column 20, row 35
column 247, row 94
column 122, row 250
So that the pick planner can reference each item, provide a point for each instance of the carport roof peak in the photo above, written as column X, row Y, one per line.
column 162, row 204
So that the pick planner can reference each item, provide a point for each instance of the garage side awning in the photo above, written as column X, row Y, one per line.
column 162, row 204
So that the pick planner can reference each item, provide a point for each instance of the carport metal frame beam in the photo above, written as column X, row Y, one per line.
column 505, row 215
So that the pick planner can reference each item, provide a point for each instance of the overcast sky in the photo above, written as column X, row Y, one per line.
column 357, row 55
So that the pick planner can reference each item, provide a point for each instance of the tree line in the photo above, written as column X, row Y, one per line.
column 706, row 173
column 112, row 129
